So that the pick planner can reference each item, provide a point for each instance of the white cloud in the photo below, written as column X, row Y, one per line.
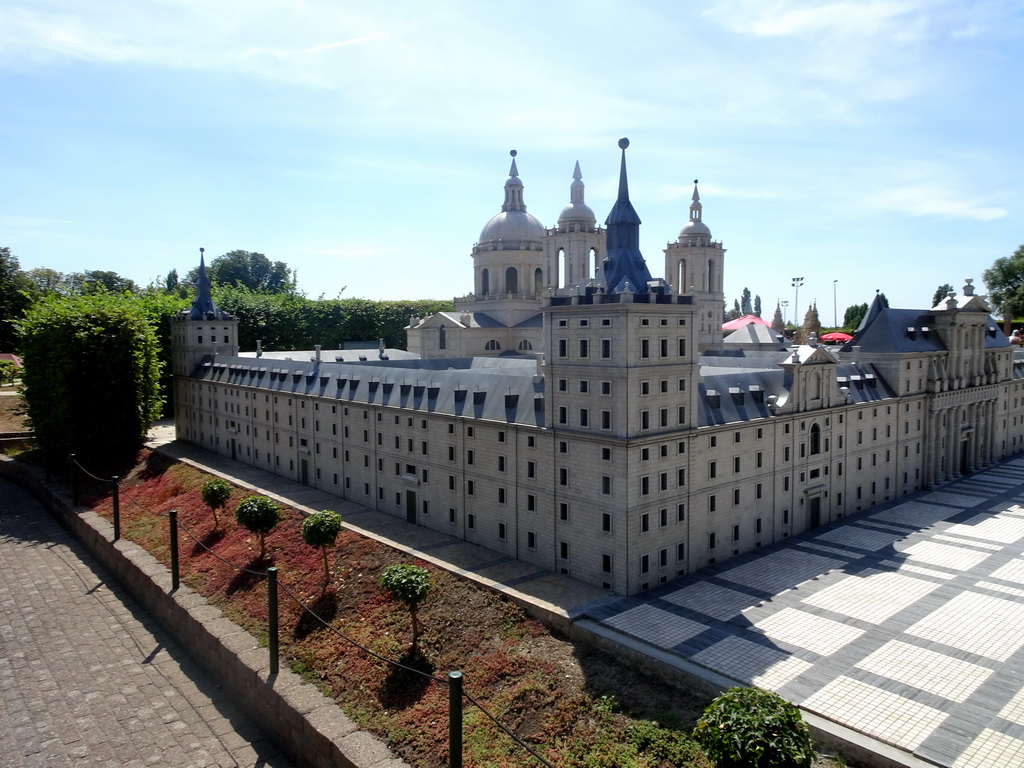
column 930, row 200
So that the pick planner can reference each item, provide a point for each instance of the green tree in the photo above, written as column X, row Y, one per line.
column 15, row 298
column 941, row 293
column 854, row 314
column 45, row 281
column 171, row 282
column 745, row 306
column 92, row 374
column 216, row 493
column 321, row 529
column 409, row 584
column 248, row 269
column 94, row 280
column 259, row 515
column 1005, row 281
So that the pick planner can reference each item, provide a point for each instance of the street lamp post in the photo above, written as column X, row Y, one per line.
column 797, row 282
column 835, row 306
column 785, row 307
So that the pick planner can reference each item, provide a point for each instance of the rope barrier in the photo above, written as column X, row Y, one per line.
column 90, row 474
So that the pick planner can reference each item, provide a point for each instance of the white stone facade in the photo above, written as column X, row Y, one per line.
column 635, row 448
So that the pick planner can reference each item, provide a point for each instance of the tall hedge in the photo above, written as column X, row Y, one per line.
column 92, row 375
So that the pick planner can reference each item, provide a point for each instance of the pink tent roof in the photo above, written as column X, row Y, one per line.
column 739, row 322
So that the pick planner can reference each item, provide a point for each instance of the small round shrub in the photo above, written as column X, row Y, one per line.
column 753, row 728
column 259, row 515
column 321, row 529
column 216, row 493
column 409, row 584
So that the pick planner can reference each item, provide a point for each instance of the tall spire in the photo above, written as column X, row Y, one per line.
column 513, row 188
column 203, row 306
column 624, row 262
column 695, row 206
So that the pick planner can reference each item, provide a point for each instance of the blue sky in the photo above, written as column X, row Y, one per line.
column 874, row 142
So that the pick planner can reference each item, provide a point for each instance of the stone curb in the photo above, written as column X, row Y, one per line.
column 309, row 726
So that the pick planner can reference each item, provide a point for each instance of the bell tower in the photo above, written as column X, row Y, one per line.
column 694, row 265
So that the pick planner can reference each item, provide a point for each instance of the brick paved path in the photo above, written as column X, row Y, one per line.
column 87, row 678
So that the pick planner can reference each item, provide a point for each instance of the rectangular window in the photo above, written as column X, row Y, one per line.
column 606, row 563
column 645, row 348
column 531, row 540
column 711, row 540
column 563, row 550
column 735, row 533
column 584, row 348
column 645, row 522
column 712, row 469
column 563, row 348
column 712, row 503
column 471, row 521
column 606, row 485
column 531, row 469
column 563, row 476
column 645, row 563
column 563, row 512
column 645, row 485
column 606, row 419
column 584, row 417
column 606, row 522
column 501, row 495
column 663, row 517
column 531, row 503
column 501, row 463
column 606, row 348
column 501, row 531
column 682, row 347
column 680, row 513
column 662, row 558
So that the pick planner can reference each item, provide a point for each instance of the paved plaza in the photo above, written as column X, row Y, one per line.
column 87, row 678
column 905, row 623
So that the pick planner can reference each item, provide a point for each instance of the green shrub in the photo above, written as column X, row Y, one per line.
column 259, row 515
column 216, row 493
column 753, row 728
column 321, row 529
column 9, row 371
column 664, row 745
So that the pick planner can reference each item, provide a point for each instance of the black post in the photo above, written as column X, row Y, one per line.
column 454, row 720
column 173, row 515
column 74, row 480
column 272, row 618
column 116, row 488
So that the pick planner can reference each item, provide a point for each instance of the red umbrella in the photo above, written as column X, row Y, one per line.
column 836, row 336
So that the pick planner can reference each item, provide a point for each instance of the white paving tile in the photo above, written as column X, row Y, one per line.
column 982, row 624
column 1011, row 571
column 892, row 718
column 945, row 555
column 1014, row 709
column 781, row 570
column 805, row 630
column 872, row 598
column 656, row 626
column 862, row 538
column 906, row 568
column 992, row 749
column 933, row 672
column 917, row 513
column 1002, row 528
column 712, row 600
column 752, row 663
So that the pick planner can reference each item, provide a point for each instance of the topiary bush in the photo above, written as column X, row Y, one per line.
column 216, row 493
column 321, row 529
column 259, row 515
column 409, row 584
column 752, row 728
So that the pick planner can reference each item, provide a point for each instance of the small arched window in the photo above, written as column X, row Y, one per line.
column 525, row 345
column 511, row 280
column 538, row 282
column 485, row 282
column 492, row 345
column 815, row 439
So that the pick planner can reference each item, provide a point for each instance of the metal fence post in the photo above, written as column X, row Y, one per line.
column 116, row 488
column 272, row 618
column 74, row 480
column 454, row 720
column 173, row 515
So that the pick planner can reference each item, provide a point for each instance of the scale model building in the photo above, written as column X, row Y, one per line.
column 576, row 413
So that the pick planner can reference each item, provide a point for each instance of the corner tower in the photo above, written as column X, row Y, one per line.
column 694, row 265
column 203, row 329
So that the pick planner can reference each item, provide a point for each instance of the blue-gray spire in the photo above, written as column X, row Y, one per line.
column 203, row 306
column 624, row 262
